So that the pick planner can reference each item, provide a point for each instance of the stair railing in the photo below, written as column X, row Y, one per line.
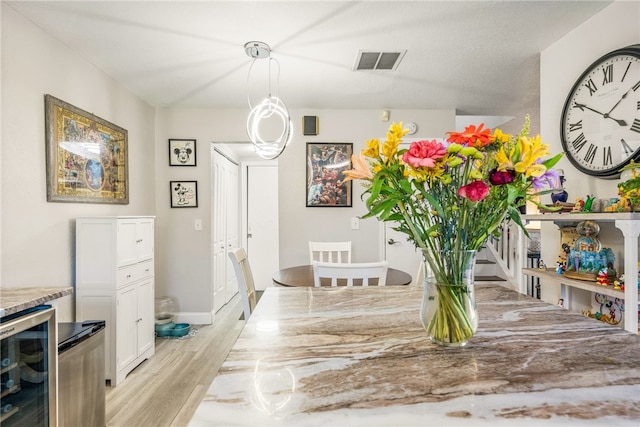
column 508, row 249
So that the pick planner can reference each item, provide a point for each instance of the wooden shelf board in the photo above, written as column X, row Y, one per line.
column 552, row 276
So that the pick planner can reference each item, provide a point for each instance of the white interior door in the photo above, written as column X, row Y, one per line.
column 218, row 225
column 225, row 227
column 231, row 229
column 262, row 223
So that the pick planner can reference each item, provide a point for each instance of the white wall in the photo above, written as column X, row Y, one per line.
column 37, row 236
column 299, row 224
column 183, row 268
column 561, row 64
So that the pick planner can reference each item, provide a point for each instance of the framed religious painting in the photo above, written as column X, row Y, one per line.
column 184, row 194
column 182, row 152
column 86, row 156
column 326, row 186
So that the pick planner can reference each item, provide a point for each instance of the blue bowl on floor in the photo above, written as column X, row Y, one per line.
column 180, row 330
column 162, row 328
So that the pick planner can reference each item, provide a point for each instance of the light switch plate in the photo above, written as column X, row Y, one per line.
column 355, row 223
column 197, row 224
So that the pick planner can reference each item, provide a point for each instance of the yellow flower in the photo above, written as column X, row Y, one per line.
column 501, row 137
column 372, row 150
column 396, row 130
column 531, row 150
column 390, row 148
column 360, row 169
column 504, row 161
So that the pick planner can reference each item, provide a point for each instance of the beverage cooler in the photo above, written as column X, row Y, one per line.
column 28, row 360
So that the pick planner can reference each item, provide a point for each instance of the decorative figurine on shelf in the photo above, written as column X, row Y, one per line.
column 588, row 204
column 579, row 205
column 587, row 259
column 611, row 310
column 602, row 278
column 620, row 205
column 542, row 265
column 560, row 196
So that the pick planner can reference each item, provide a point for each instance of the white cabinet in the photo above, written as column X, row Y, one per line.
column 115, row 283
column 629, row 224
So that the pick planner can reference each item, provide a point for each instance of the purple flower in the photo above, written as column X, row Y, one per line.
column 550, row 179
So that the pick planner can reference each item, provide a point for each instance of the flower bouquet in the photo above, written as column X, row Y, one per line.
column 449, row 198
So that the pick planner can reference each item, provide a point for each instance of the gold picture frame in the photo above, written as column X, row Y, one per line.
column 86, row 156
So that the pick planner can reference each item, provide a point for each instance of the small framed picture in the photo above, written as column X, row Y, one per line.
column 326, row 186
column 182, row 152
column 184, row 194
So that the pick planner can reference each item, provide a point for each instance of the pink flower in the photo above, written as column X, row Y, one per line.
column 424, row 153
column 474, row 191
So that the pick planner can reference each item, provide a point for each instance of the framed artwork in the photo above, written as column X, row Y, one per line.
column 86, row 156
column 325, row 182
column 184, row 194
column 182, row 152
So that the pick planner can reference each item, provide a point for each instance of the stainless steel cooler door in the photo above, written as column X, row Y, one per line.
column 81, row 383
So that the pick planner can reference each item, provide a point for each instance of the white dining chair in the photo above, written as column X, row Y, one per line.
column 244, row 277
column 348, row 272
column 330, row 251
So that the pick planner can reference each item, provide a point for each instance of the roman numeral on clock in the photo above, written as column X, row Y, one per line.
column 628, row 151
column 606, row 157
column 591, row 86
column 635, row 126
column 608, row 74
column 579, row 142
column 576, row 126
column 591, row 153
column 636, row 86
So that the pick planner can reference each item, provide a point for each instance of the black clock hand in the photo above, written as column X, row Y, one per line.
column 623, row 97
column 606, row 116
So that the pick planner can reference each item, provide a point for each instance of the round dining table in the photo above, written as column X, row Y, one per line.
column 302, row 275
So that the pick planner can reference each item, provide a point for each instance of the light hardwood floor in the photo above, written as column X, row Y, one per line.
column 166, row 389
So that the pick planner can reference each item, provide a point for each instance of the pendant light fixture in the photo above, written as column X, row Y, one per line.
column 271, row 109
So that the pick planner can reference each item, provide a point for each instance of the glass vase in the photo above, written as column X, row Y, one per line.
column 448, row 312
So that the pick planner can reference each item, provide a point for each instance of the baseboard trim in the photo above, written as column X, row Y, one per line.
column 195, row 318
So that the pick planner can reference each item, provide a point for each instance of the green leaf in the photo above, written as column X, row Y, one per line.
column 549, row 163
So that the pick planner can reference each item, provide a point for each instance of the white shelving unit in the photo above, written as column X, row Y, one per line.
column 115, row 283
column 629, row 224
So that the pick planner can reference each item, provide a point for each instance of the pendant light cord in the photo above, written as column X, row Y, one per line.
column 277, row 79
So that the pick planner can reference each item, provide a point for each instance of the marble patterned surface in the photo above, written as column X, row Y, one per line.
column 13, row 300
column 359, row 356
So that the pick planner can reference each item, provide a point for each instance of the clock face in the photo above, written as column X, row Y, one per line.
column 601, row 118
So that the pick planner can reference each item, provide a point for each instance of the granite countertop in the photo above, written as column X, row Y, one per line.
column 13, row 300
column 359, row 357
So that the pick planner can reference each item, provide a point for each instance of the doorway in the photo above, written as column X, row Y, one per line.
column 260, row 222
column 244, row 213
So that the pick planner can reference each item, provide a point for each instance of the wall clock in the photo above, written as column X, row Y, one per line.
column 600, row 126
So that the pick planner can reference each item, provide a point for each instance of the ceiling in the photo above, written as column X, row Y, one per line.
column 478, row 57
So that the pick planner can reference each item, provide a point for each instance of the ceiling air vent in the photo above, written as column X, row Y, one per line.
column 371, row 60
